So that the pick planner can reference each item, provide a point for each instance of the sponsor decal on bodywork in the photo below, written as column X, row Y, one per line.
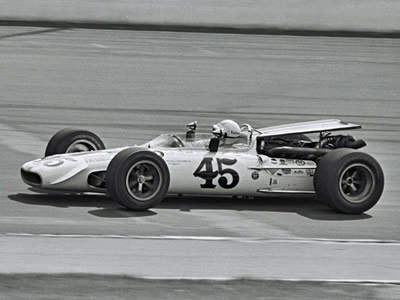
column 177, row 162
column 299, row 172
column 99, row 158
column 272, row 171
column 273, row 181
column 255, row 175
column 274, row 161
column 289, row 171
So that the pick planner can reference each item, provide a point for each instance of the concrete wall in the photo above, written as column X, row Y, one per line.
column 359, row 15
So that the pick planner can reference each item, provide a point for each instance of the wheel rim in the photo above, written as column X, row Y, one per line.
column 357, row 183
column 81, row 146
column 143, row 180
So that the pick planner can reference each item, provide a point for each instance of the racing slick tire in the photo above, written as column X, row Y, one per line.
column 69, row 140
column 137, row 179
column 348, row 181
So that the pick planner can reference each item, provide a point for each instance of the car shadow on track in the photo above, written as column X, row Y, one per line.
column 305, row 206
column 106, row 208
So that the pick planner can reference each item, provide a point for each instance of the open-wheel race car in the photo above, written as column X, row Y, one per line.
column 306, row 157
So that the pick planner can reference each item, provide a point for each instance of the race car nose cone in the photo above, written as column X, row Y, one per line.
column 31, row 178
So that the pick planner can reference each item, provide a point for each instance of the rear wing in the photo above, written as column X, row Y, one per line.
column 307, row 127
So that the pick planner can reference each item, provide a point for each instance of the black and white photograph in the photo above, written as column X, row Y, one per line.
column 199, row 149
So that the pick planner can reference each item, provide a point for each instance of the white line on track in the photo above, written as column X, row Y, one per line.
column 354, row 261
column 214, row 238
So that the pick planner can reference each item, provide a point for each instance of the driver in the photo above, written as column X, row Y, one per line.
column 228, row 131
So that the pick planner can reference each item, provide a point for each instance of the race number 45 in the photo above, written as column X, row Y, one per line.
column 205, row 171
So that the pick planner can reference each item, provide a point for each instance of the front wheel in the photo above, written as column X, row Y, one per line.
column 71, row 140
column 137, row 179
column 349, row 181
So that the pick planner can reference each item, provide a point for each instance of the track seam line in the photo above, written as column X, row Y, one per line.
column 223, row 279
column 316, row 280
column 213, row 238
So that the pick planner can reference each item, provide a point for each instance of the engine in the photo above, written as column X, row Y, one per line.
column 341, row 141
column 299, row 146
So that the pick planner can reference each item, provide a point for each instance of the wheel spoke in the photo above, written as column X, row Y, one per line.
column 345, row 188
column 141, row 170
column 149, row 185
column 132, row 180
column 132, row 184
column 146, row 169
column 140, row 187
column 353, row 188
column 354, row 175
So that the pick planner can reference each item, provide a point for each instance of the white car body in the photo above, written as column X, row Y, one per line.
column 237, row 170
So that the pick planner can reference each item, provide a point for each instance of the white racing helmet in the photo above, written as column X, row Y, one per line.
column 227, row 129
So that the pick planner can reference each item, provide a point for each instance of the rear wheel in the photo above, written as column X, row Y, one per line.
column 137, row 179
column 349, row 181
column 70, row 140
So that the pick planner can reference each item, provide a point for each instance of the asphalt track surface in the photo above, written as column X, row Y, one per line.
column 130, row 86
